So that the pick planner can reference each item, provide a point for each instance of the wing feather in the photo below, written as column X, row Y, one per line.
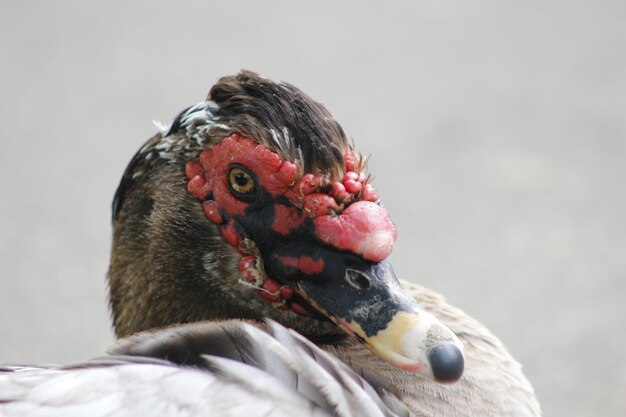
column 201, row 369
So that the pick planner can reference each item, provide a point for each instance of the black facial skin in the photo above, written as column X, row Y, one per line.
column 372, row 307
column 347, row 288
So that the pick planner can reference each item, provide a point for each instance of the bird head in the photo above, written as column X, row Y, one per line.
column 253, row 204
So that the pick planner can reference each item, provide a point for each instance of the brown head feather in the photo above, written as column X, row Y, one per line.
column 282, row 118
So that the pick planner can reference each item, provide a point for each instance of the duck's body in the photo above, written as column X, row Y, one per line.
column 146, row 384
column 254, row 206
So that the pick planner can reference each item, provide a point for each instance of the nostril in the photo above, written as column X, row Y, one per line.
column 358, row 280
column 447, row 362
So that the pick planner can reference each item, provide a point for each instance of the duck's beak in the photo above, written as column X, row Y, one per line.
column 367, row 301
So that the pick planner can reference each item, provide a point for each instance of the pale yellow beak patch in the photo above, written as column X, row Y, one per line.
column 408, row 339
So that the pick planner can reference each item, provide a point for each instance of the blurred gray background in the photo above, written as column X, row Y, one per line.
column 497, row 132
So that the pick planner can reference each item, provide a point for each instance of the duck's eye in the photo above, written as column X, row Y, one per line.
column 241, row 182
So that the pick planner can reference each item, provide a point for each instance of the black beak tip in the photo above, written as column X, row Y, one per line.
column 447, row 362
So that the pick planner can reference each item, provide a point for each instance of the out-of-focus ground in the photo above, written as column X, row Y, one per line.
column 497, row 132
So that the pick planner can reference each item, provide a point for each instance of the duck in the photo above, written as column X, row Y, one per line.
column 250, row 276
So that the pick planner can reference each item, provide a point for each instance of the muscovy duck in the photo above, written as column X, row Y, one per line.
column 249, row 276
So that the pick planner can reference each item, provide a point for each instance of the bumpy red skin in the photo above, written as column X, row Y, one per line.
column 270, row 290
column 347, row 217
column 362, row 228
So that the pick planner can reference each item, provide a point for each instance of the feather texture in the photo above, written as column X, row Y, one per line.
column 202, row 369
column 225, row 368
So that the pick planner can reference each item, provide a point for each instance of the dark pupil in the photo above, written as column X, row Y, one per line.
column 241, row 179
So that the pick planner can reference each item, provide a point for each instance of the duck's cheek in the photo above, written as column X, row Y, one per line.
column 302, row 265
column 287, row 219
column 281, row 296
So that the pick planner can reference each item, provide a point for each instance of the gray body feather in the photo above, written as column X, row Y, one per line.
column 234, row 368
column 226, row 369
